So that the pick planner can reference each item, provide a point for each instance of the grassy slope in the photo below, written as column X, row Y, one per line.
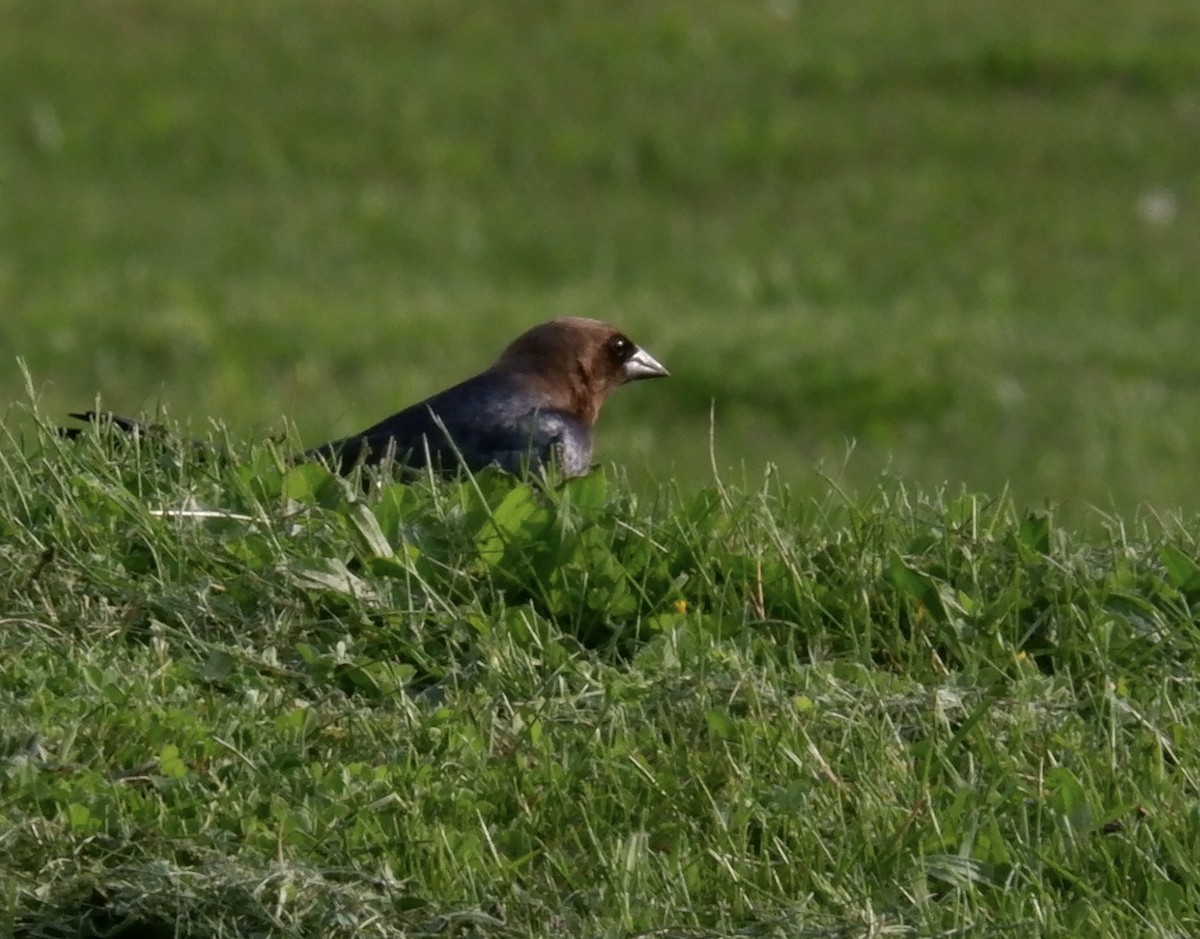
column 918, row 229
column 627, row 708
column 480, row 709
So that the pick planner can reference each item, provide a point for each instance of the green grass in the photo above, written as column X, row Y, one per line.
column 929, row 231
column 487, row 709
column 929, row 266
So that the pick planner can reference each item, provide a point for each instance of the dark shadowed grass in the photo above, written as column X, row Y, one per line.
column 247, row 700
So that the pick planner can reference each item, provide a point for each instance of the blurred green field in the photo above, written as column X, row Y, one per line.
column 962, row 236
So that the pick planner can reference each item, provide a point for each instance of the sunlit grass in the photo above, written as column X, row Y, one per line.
column 243, row 697
column 879, row 618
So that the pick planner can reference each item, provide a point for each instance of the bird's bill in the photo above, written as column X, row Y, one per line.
column 643, row 365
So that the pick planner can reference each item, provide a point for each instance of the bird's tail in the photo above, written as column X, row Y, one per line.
column 132, row 428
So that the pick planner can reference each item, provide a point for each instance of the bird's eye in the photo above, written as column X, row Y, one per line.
column 620, row 347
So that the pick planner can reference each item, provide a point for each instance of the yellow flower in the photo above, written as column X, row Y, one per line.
column 681, row 607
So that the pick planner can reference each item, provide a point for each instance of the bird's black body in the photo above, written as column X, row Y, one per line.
column 491, row 419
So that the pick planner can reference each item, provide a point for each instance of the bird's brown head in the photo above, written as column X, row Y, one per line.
column 577, row 363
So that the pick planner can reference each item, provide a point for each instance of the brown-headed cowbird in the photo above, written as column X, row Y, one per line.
column 535, row 406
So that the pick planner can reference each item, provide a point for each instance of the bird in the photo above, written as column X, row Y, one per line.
column 534, row 407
